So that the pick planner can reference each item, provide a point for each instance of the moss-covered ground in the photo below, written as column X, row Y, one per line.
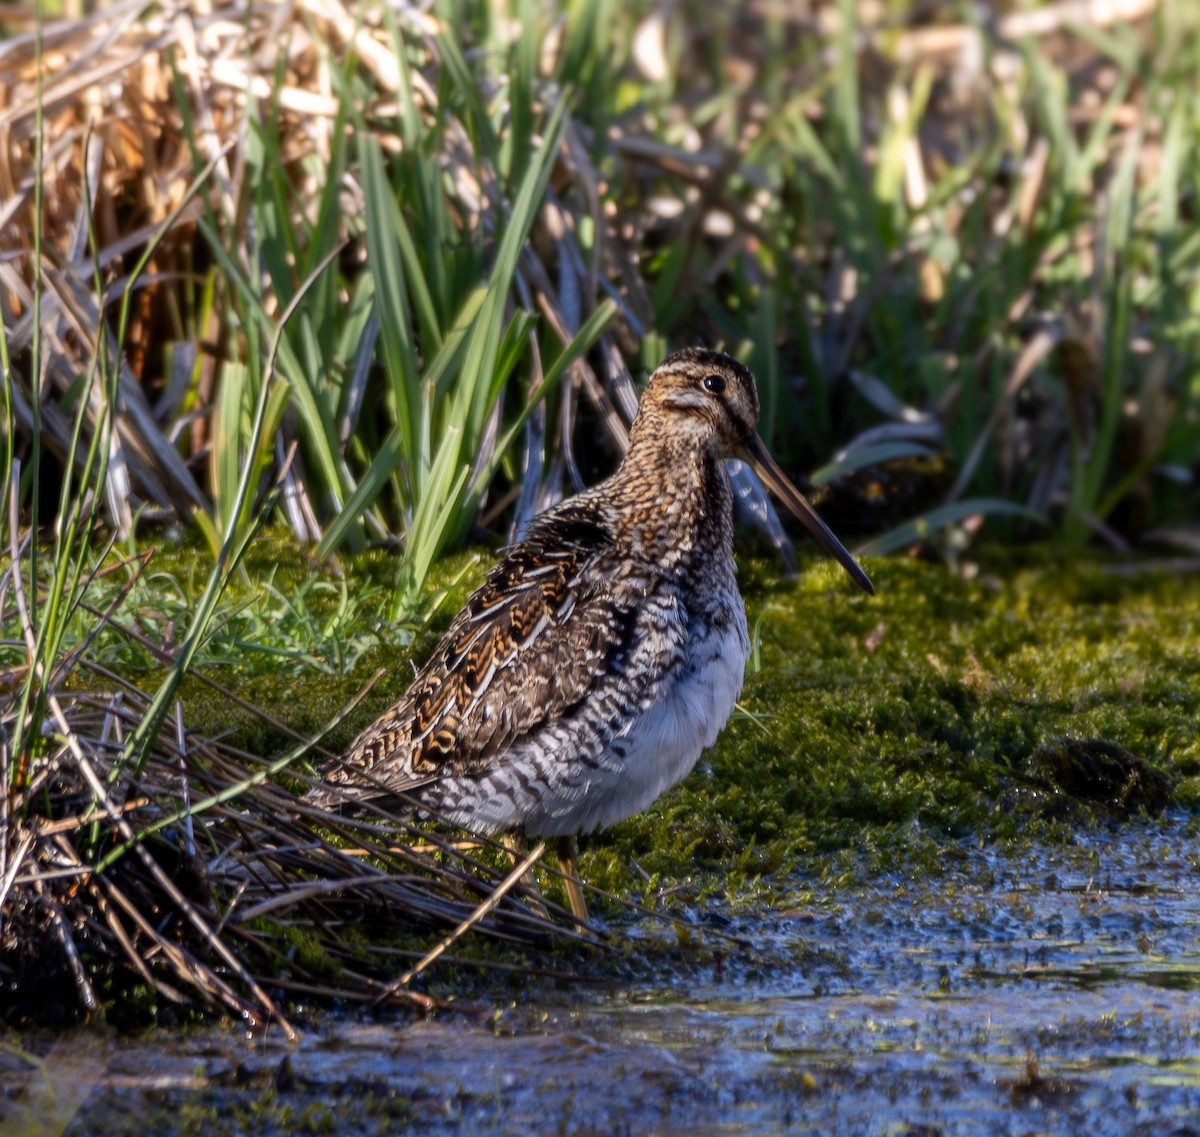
column 1042, row 689
column 942, row 709
column 1036, row 704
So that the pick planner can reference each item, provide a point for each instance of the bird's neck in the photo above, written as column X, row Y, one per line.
column 676, row 502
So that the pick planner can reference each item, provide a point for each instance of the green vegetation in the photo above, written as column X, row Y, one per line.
column 386, row 289
column 888, row 726
column 489, row 211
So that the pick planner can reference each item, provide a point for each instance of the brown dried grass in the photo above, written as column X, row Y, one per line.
column 229, row 889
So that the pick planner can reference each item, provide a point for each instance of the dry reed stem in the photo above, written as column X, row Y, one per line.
column 498, row 893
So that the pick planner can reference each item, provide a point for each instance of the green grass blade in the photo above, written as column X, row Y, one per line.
column 930, row 524
column 392, row 300
column 868, row 456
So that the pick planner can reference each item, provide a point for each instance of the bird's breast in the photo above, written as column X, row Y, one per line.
column 659, row 747
column 698, row 704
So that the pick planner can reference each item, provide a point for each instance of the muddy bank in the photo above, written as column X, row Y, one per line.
column 1048, row 992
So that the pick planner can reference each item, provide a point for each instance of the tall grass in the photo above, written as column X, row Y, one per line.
column 986, row 256
column 397, row 374
column 994, row 266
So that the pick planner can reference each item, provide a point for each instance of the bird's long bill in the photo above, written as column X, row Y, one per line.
column 776, row 481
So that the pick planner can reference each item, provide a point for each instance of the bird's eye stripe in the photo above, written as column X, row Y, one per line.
column 715, row 384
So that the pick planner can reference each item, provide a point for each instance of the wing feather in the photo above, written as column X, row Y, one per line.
column 551, row 626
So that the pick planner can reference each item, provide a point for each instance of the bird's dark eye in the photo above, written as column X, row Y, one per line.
column 715, row 384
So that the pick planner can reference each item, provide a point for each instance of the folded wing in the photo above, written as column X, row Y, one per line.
column 564, row 628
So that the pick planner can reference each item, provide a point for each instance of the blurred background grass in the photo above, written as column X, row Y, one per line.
column 956, row 243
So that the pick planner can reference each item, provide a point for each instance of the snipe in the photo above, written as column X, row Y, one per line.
column 604, row 653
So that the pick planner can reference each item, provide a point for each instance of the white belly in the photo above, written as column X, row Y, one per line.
column 660, row 747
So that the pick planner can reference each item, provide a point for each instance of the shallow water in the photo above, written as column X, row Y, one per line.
column 1055, row 993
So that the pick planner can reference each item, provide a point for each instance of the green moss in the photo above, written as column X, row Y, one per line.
column 251, row 1102
column 302, row 640
column 892, row 725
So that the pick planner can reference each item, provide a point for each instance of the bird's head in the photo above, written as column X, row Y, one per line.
column 704, row 397
column 709, row 401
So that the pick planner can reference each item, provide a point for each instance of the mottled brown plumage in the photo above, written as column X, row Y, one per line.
column 605, row 651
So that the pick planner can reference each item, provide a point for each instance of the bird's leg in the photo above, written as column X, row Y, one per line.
column 514, row 842
column 568, row 851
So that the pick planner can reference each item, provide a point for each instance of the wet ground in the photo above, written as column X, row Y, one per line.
column 1055, row 992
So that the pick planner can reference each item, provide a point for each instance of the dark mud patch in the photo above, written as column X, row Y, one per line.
column 1078, row 776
